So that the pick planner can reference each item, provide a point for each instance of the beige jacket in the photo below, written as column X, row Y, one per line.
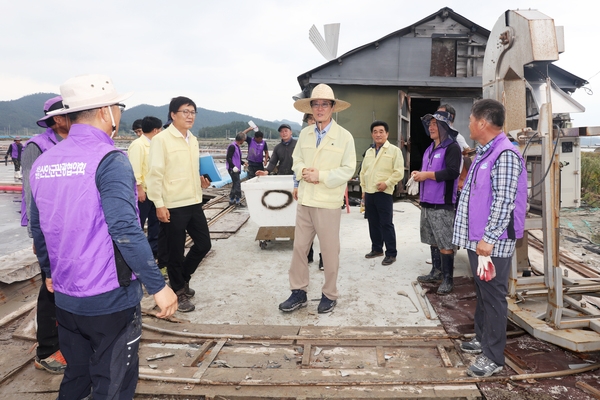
column 335, row 158
column 174, row 177
column 387, row 166
column 138, row 152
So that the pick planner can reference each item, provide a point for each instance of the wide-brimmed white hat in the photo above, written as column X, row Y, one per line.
column 320, row 92
column 86, row 92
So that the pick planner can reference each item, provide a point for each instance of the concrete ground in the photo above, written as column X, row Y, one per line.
column 238, row 283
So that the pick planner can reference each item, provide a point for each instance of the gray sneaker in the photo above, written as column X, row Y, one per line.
column 472, row 347
column 183, row 302
column 483, row 367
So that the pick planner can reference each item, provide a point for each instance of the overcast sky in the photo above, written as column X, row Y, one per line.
column 237, row 55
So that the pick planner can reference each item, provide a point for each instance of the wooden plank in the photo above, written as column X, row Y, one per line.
column 588, row 389
column 306, row 354
column 372, row 332
column 13, row 358
column 327, row 377
column 444, row 356
column 206, row 363
column 275, row 232
column 380, row 356
column 201, row 353
column 230, row 222
column 24, row 308
column 154, row 389
column 249, row 332
column 27, row 329
column 376, row 342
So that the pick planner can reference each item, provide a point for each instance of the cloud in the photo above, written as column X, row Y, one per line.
column 230, row 54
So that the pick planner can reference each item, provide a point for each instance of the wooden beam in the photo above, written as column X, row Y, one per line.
column 306, row 355
column 206, row 363
column 201, row 352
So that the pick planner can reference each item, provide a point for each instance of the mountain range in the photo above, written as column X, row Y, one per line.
column 18, row 117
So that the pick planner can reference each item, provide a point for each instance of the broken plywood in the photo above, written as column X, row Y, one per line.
column 229, row 223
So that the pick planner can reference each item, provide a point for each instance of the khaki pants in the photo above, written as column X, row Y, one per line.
column 325, row 223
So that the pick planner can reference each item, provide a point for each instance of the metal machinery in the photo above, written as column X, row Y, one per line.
column 554, row 307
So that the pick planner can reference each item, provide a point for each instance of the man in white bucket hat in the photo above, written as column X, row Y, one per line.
column 324, row 161
column 91, row 247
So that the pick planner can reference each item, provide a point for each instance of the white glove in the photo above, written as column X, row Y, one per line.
column 412, row 187
column 236, row 169
column 486, row 269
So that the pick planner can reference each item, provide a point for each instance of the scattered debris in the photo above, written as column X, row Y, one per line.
column 159, row 356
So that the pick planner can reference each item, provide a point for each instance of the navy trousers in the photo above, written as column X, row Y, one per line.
column 47, row 327
column 101, row 354
column 148, row 212
column 491, row 312
column 188, row 219
column 380, row 214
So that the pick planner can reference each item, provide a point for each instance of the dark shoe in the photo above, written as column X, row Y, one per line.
column 387, row 260
column 295, row 301
column 326, row 305
column 321, row 263
column 311, row 253
column 188, row 291
column 435, row 275
column 373, row 254
column 472, row 347
column 448, row 274
column 55, row 364
column 483, row 367
column 183, row 302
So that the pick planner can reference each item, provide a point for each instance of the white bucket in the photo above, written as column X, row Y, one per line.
column 270, row 200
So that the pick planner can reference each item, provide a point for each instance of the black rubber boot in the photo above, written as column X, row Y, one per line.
column 448, row 273
column 435, row 275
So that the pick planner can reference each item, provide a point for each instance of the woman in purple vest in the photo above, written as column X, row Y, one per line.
column 438, row 183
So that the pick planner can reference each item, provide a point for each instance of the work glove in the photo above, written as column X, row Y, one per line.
column 236, row 169
column 412, row 187
column 486, row 270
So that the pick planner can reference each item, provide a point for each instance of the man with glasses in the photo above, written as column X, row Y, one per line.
column 90, row 245
column 324, row 161
column 175, row 186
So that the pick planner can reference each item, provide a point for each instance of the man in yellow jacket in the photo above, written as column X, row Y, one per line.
column 138, row 153
column 382, row 169
column 175, row 186
column 324, row 161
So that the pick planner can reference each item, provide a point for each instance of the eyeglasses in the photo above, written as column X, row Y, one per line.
column 121, row 107
column 321, row 105
column 187, row 113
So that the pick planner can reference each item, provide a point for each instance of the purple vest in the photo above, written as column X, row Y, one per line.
column 481, row 190
column 15, row 150
column 44, row 141
column 434, row 159
column 63, row 184
column 255, row 151
column 236, row 158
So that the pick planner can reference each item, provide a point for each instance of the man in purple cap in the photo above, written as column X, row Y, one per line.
column 14, row 151
column 49, row 356
column 91, row 247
